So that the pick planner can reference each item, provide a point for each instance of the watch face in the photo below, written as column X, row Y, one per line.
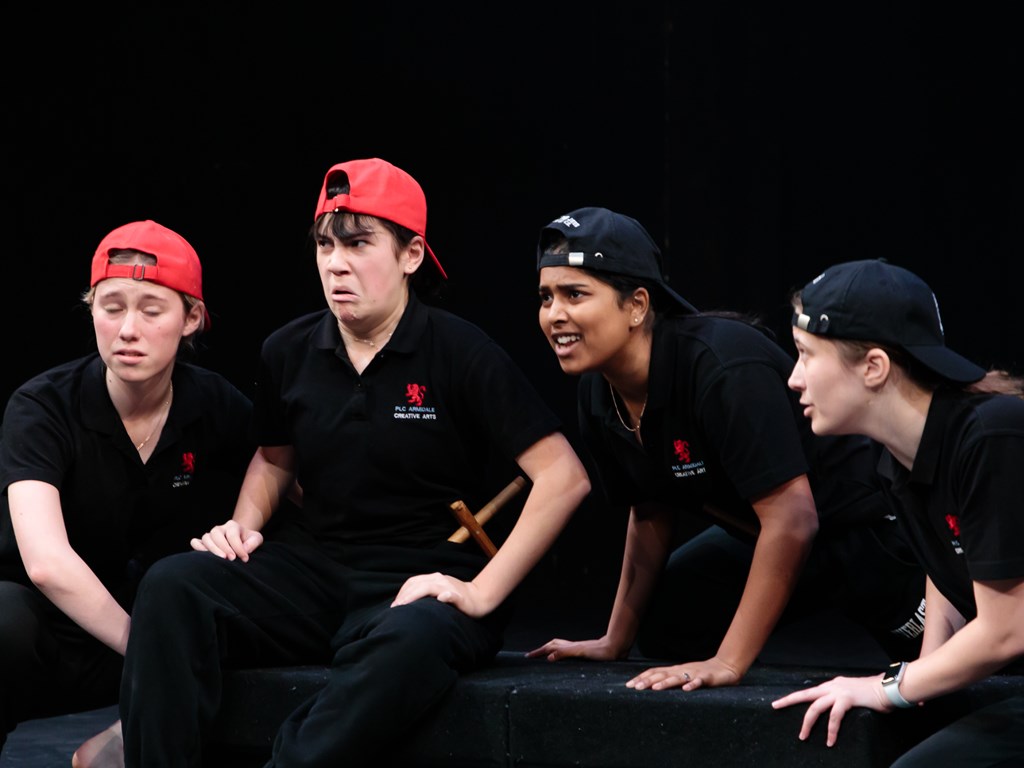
column 893, row 673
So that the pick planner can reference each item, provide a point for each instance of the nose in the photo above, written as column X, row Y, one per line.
column 796, row 378
column 129, row 325
column 554, row 312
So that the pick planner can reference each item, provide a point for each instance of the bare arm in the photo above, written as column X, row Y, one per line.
column 942, row 620
column 985, row 645
column 269, row 478
column 648, row 536
column 559, row 485
column 57, row 570
column 788, row 524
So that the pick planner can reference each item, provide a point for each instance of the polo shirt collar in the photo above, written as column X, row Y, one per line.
column 98, row 411
column 663, row 361
column 926, row 462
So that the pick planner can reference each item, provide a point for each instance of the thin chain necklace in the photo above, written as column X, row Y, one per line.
column 371, row 342
column 165, row 411
column 615, row 401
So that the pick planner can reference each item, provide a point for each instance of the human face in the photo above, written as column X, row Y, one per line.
column 831, row 389
column 584, row 321
column 139, row 326
column 364, row 279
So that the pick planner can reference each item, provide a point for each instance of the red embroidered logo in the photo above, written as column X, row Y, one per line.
column 682, row 449
column 954, row 524
column 188, row 462
column 414, row 393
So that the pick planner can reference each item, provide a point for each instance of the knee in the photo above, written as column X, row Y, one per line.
column 173, row 583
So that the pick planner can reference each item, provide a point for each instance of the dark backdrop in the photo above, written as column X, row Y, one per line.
column 758, row 145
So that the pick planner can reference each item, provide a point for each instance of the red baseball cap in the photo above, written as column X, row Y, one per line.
column 378, row 188
column 177, row 264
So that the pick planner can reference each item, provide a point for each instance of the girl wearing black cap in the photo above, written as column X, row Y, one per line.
column 873, row 361
column 685, row 416
column 108, row 463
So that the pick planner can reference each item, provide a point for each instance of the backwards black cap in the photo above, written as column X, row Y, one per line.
column 604, row 241
column 873, row 300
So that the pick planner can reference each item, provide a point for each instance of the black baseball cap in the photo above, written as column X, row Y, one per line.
column 604, row 241
column 873, row 300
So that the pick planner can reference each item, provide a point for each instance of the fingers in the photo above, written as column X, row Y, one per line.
column 229, row 541
column 444, row 588
column 663, row 678
column 549, row 647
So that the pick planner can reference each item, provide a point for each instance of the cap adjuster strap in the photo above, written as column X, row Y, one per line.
column 132, row 271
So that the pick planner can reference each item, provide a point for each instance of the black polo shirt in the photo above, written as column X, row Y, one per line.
column 61, row 428
column 721, row 427
column 382, row 454
column 962, row 505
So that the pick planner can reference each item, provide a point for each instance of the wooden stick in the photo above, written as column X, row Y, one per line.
column 471, row 524
column 473, row 528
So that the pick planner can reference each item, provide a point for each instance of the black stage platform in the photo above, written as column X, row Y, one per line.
column 49, row 743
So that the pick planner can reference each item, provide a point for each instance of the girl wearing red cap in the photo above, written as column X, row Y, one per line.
column 739, row 518
column 108, row 463
column 872, row 361
column 386, row 411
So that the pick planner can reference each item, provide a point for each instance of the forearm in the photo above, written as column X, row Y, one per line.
column 555, row 494
column 648, row 539
column 774, row 571
column 267, row 480
column 74, row 589
column 986, row 644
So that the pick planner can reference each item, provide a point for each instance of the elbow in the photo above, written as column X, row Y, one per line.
column 579, row 484
column 42, row 574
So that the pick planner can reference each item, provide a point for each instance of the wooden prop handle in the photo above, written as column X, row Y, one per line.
column 471, row 524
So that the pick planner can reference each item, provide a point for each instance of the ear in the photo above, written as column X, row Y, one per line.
column 640, row 304
column 412, row 256
column 877, row 366
column 193, row 320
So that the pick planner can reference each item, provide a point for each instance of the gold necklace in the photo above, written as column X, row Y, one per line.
column 371, row 342
column 635, row 430
column 166, row 410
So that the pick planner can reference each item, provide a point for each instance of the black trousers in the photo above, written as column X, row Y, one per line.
column 991, row 737
column 863, row 572
column 196, row 614
column 48, row 664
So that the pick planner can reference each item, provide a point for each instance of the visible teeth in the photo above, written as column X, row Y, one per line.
column 567, row 339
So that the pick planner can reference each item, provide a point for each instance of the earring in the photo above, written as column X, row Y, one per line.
column 636, row 320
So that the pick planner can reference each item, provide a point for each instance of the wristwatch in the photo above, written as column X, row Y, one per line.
column 891, row 685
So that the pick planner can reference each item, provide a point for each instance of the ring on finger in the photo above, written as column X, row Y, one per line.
column 686, row 676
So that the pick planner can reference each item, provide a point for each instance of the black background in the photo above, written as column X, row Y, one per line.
column 757, row 144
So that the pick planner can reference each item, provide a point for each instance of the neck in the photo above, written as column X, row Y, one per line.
column 372, row 335
column 134, row 400
column 899, row 424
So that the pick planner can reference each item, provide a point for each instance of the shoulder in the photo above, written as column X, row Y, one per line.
column 991, row 414
column 60, row 383
column 298, row 336
column 207, row 384
column 708, row 343
column 451, row 326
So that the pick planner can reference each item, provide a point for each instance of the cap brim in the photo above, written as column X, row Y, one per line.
column 947, row 363
column 679, row 300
